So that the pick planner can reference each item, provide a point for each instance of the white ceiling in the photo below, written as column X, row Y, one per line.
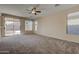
column 20, row 9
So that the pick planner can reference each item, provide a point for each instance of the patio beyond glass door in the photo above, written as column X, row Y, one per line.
column 12, row 26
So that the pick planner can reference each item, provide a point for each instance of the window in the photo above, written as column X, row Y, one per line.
column 73, row 23
column 28, row 25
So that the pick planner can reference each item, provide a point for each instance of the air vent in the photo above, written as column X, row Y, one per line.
column 56, row 5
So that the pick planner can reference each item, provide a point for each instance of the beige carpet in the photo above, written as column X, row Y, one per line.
column 36, row 44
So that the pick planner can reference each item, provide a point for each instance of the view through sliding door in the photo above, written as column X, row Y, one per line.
column 12, row 26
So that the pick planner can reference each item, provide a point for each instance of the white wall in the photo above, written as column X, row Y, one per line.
column 55, row 25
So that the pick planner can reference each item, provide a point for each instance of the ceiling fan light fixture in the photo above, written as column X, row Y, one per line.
column 33, row 11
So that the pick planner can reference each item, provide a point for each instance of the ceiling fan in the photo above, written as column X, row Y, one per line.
column 34, row 10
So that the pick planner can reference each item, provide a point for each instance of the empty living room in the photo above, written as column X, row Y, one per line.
column 39, row 28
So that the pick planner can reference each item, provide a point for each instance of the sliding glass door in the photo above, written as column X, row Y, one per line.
column 12, row 26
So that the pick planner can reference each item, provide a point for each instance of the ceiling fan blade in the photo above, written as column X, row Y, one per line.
column 28, row 10
column 38, row 11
